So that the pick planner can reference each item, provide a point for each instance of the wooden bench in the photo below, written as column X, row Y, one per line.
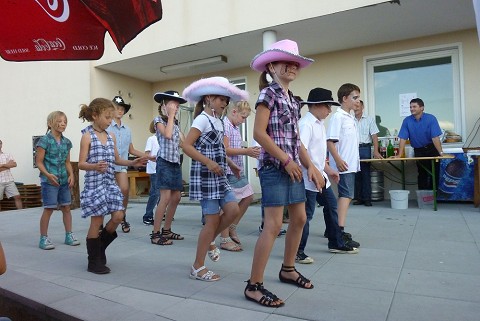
column 133, row 176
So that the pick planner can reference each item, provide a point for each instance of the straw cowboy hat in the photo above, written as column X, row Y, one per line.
column 169, row 95
column 213, row 86
column 118, row 100
column 283, row 50
column 320, row 96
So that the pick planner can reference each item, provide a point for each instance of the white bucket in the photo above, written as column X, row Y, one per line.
column 399, row 199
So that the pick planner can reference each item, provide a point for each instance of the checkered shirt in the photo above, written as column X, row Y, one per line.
column 235, row 140
column 6, row 176
column 283, row 123
column 101, row 194
column 123, row 138
column 169, row 149
column 204, row 184
column 366, row 128
column 56, row 154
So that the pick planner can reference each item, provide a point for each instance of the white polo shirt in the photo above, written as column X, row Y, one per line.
column 313, row 137
column 343, row 128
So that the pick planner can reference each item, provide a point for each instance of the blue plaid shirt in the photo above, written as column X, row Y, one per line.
column 55, row 157
column 169, row 149
column 283, row 123
column 123, row 137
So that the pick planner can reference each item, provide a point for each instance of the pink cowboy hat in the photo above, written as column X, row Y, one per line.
column 283, row 50
column 213, row 86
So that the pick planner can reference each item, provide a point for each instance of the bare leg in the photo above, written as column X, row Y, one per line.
column 172, row 208
column 122, row 182
column 45, row 220
column 67, row 217
column 343, row 204
column 18, row 202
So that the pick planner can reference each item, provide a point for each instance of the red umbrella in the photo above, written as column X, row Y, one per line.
column 70, row 29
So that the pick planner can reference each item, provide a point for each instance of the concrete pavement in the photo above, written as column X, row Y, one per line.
column 413, row 265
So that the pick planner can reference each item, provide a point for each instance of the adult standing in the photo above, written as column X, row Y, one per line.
column 367, row 137
column 124, row 147
column 424, row 133
column 7, row 183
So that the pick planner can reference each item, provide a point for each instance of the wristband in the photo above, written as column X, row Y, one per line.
column 287, row 161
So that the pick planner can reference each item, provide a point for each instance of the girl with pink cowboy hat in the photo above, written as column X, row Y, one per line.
column 276, row 130
column 208, row 180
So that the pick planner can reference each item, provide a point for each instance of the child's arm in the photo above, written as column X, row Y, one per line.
column 260, row 135
column 167, row 130
column 82, row 157
column 142, row 160
column 3, row 261
column 341, row 164
column 39, row 158
column 313, row 173
column 68, row 165
column 188, row 148
column 249, row 151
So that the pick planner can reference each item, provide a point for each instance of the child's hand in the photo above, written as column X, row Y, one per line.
column 215, row 168
column 141, row 161
column 235, row 169
column 294, row 171
column 253, row 151
column 315, row 176
column 342, row 165
column 171, row 109
column 101, row 166
column 53, row 179
column 71, row 181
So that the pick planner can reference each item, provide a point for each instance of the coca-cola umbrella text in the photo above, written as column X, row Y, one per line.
column 70, row 29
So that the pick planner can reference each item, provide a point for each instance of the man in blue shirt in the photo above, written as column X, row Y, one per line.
column 424, row 133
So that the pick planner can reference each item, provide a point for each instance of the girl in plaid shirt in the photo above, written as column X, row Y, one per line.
column 276, row 130
column 208, row 180
column 169, row 178
column 101, row 195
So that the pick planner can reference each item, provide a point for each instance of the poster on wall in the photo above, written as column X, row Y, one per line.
column 35, row 140
column 404, row 101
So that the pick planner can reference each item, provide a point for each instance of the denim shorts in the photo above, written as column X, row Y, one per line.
column 169, row 175
column 213, row 206
column 278, row 189
column 346, row 186
column 54, row 196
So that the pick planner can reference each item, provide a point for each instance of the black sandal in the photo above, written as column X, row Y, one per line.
column 301, row 281
column 125, row 227
column 169, row 235
column 268, row 299
column 160, row 239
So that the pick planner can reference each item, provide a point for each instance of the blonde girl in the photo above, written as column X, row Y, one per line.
column 101, row 195
column 208, row 181
column 56, row 176
column 237, row 114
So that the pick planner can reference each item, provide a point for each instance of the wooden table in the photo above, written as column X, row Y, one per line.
column 402, row 161
column 476, row 181
column 132, row 179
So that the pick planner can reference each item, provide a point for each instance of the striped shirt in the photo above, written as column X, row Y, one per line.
column 169, row 149
column 235, row 141
column 56, row 154
column 366, row 128
column 282, row 125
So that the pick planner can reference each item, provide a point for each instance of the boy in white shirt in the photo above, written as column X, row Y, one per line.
column 342, row 143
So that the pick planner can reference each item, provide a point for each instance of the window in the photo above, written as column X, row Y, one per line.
column 433, row 74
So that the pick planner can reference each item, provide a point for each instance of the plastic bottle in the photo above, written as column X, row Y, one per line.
column 390, row 149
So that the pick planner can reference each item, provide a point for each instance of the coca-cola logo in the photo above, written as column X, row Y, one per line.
column 57, row 10
column 48, row 45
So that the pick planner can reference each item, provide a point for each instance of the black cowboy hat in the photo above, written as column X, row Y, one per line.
column 320, row 96
column 169, row 95
column 120, row 102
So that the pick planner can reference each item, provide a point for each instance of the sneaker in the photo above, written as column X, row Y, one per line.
column 347, row 238
column 303, row 258
column 344, row 250
column 70, row 239
column 148, row 221
column 45, row 243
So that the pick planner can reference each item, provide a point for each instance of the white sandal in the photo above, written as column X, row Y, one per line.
column 207, row 277
column 214, row 254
